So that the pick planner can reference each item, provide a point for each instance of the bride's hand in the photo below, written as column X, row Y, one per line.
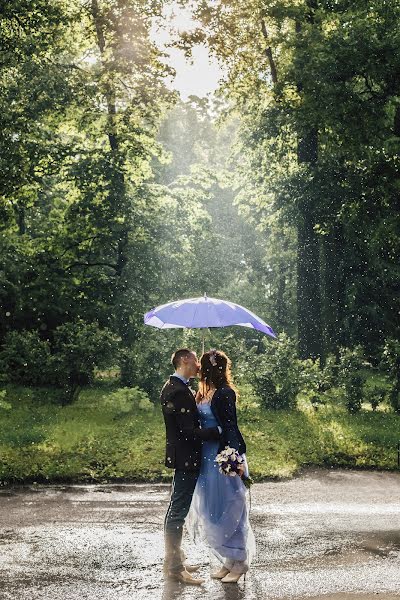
column 199, row 397
column 241, row 470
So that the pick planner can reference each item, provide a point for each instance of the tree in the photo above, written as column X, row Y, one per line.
column 317, row 142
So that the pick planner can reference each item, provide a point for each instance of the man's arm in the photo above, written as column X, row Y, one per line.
column 177, row 405
column 208, row 433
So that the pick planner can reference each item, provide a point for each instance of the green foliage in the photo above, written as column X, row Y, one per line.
column 390, row 361
column 130, row 400
column 352, row 376
column 248, row 399
column 4, row 405
column 317, row 158
column 101, row 438
column 82, row 96
column 147, row 365
column 315, row 382
column 77, row 349
column 376, row 396
column 111, row 203
column 276, row 374
column 279, row 376
column 26, row 359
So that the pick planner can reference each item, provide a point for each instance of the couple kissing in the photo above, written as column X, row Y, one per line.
column 211, row 504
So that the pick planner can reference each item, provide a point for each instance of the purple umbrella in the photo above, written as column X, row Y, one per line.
column 204, row 312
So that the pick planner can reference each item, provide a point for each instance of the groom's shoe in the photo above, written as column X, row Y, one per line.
column 185, row 577
column 192, row 568
column 189, row 568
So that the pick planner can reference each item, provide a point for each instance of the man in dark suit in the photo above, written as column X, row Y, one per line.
column 183, row 453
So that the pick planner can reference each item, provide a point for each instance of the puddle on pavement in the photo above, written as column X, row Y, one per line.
column 375, row 544
column 324, row 553
column 95, row 541
column 9, row 536
column 341, row 596
column 382, row 544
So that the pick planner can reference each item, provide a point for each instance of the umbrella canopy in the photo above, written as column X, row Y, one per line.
column 204, row 312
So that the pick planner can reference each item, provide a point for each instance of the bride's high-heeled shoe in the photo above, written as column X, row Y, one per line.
column 220, row 574
column 233, row 577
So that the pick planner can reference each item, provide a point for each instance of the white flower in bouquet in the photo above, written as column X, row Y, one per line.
column 230, row 463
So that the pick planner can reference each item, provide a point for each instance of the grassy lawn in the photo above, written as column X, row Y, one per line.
column 99, row 439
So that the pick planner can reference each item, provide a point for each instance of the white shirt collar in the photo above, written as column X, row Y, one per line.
column 180, row 377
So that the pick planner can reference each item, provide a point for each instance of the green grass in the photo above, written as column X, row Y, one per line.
column 96, row 439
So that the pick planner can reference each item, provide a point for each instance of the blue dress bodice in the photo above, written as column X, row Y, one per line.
column 207, row 418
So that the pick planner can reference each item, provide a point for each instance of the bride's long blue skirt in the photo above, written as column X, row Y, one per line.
column 219, row 513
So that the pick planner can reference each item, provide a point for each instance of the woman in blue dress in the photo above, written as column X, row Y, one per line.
column 219, row 514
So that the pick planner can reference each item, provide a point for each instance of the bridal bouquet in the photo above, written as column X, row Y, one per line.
column 230, row 461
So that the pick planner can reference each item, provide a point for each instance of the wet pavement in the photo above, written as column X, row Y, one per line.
column 332, row 534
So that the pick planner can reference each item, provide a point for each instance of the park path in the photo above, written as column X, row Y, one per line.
column 331, row 534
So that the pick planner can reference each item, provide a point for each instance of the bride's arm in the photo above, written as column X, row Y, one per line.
column 228, row 418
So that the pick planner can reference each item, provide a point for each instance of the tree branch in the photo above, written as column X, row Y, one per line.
column 77, row 244
column 95, row 264
column 268, row 52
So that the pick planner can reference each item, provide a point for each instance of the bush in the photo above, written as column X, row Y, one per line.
column 314, row 382
column 146, row 364
column 375, row 396
column 352, row 377
column 390, row 362
column 4, row 405
column 25, row 358
column 130, row 399
column 277, row 374
column 77, row 349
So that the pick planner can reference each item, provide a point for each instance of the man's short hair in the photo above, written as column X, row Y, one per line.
column 178, row 355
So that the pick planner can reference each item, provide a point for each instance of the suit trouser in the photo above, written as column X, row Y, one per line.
column 183, row 486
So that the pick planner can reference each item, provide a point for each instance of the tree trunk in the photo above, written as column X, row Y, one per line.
column 280, row 297
column 309, row 317
column 308, row 288
column 333, row 290
column 309, row 325
column 117, row 197
column 19, row 210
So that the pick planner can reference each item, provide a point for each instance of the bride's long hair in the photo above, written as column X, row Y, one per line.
column 215, row 368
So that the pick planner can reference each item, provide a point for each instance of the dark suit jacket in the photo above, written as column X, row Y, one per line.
column 223, row 405
column 182, row 426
